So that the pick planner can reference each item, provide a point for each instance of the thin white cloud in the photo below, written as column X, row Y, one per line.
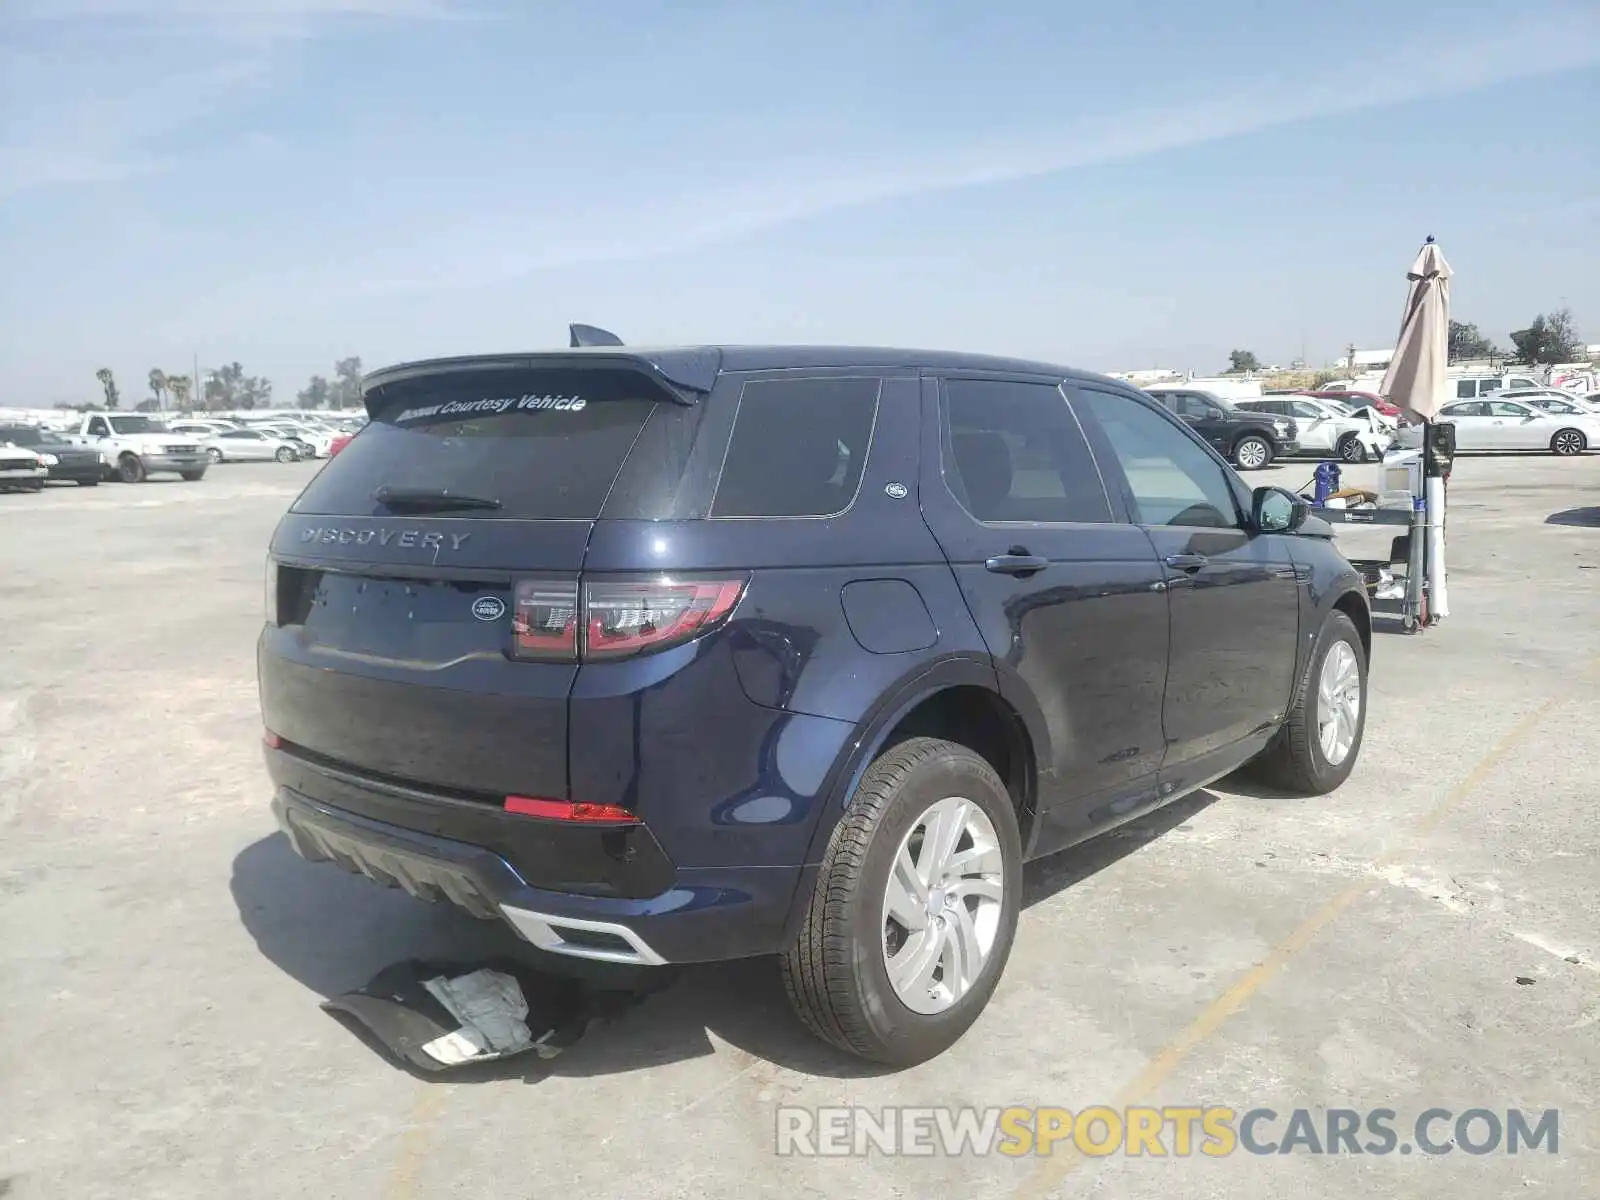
column 76, row 113
column 804, row 190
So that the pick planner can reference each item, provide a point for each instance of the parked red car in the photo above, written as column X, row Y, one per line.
column 1359, row 400
column 340, row 440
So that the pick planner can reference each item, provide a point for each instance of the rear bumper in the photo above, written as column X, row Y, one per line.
column 704, row 915
column 86, row 468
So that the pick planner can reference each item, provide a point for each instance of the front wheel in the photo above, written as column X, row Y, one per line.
column 1316, row 748
column 286, row 455
column 915, row 907
column 214, row 454
column 88, row 483
column 130, row 469
column 1252, row 453
column 1568, row 441
column 193, row 476
column 1351, row 450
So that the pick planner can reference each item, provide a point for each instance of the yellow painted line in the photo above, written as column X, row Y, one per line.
column 414, row 1142
column 1053, row 1171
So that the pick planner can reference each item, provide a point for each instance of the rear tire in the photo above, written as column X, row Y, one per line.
column 130, row 469
column 837, row 973
column 193, row 476
column 1252, row 453
column 88, row 483
column 1302, row 758
column 1567, row 442
column 214, row 454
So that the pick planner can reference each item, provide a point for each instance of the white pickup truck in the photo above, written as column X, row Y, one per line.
column 137, row 445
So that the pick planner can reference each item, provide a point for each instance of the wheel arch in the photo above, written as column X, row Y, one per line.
column 960, row 699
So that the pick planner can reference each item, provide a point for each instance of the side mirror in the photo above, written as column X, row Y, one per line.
column 1277, row 510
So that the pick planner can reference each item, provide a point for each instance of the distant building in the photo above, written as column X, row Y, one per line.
column 1366, row 360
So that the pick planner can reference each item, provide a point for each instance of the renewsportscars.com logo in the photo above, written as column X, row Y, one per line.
column 1170, row 1131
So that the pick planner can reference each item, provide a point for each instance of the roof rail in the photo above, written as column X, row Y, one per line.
column 592, row 335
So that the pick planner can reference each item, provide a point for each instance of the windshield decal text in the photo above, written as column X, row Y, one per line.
column 494, row 405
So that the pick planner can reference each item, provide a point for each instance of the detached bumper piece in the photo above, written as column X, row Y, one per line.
column 436, row 1016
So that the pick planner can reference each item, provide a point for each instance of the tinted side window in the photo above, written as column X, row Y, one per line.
column 1501, row 408
column 98, row 428
column 1173, row 480
column 798, row 449
column 1014, row 452
column 1466, row 388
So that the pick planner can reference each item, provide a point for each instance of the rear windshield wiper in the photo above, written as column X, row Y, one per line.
column 430, row 499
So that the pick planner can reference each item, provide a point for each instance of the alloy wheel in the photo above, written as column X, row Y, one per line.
column 1338, row 703
column 942, row 904
column 1567, row 441
column 1252, row 454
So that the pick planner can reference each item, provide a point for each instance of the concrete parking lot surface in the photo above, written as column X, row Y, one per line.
column 1427, row 937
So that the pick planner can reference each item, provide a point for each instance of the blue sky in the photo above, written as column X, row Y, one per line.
column 284, row 182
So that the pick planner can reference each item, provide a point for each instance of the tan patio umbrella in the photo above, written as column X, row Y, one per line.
column 1415, row 380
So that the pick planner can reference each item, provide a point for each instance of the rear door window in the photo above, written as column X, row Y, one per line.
column 1013, row 452
column 532, row 443
column 798, row 448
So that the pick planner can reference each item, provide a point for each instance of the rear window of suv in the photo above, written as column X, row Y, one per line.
column 546, row 443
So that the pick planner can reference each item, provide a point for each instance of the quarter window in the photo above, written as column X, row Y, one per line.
column 1173, row 480
column 1014, row 452
column 798, row 449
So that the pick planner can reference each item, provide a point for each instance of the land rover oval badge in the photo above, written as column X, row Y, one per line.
column 488, row 608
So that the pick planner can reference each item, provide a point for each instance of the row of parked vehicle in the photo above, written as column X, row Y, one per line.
column 1361, row 426
column 130, row 447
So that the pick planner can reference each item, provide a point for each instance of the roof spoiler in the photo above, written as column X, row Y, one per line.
column 592, row 335
column 685, row 372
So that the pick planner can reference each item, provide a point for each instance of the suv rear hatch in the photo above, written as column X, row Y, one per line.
column 423, row 591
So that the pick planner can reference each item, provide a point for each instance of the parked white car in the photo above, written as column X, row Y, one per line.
column 1549, row 399
column 1329, row 429
column 250, row 445
column 1509, row 425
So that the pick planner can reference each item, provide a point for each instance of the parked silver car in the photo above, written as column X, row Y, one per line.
column 251, row 445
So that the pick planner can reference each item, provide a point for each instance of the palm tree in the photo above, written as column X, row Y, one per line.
column 178, row 388
column 158, row 384
column 109, row 384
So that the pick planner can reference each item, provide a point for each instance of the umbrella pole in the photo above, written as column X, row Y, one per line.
column 1424, row 517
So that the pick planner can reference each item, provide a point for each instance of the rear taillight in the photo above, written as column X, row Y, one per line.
column 551, row 622
column 544, row 620
column 562, row 810
column 621, row 618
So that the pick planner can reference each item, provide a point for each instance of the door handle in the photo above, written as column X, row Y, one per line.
column 1186, row 562
column 1017, row 562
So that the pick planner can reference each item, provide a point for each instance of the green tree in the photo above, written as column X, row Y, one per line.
column 1551, row 338
column 255, row 392
column 316, row 393
column 347, row 383
column 158, row 384
column 108, row 384
column 1465, row 341
column 1240, row 361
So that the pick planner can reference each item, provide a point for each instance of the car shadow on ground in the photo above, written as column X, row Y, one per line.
column 1588, row 517
column 333, row 931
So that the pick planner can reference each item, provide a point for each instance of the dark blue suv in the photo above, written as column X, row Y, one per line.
column 665, row 656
